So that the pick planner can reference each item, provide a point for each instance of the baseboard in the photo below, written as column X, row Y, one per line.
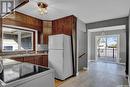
column 77, row 73
column 91, row 61
column 122, row 63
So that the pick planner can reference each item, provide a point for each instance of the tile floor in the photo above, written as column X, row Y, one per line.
column 99, row 74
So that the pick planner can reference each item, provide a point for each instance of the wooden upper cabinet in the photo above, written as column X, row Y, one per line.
column 58, row 26
column 22, row 20
column 63, row 25
column 47, row 30
column 68, row 26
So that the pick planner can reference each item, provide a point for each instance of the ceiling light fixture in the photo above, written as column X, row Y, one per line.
column 42, row 7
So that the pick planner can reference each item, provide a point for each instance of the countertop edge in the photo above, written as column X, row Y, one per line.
column 23, row 55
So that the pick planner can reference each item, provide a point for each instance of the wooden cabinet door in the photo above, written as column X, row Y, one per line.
column 39, row 60
column 45, row 60
column 67, row 29
column 47, row 30
column 30, row 59
column 57, row 27
column 20, row 59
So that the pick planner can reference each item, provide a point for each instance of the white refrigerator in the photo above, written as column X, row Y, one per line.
column 60, row 55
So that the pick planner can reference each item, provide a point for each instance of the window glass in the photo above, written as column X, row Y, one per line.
column 26, row 40
column 10, row 40
column 16, row 39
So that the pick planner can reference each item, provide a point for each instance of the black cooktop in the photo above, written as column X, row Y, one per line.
column 14, row 70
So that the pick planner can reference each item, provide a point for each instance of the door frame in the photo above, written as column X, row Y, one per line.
column 118, row 46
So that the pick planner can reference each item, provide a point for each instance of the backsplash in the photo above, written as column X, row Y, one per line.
column 42, row 47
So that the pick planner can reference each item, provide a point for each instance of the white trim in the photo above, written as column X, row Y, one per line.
column 91, row 60
column 88, row 46
column 128, row 80
column 96, row 47
column 118, row 48
column 77, row 73
column 19, row 40
column 13, row 26
column 122, row 63
column 36, row 40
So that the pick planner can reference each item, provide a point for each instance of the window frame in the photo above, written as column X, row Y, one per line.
column 19, row 39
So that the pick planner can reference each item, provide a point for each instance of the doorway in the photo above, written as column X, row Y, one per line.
column 107, row 48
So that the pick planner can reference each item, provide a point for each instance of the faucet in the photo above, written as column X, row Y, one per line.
column 26, row 51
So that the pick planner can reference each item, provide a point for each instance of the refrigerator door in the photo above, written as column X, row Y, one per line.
column 56, row 42
column 68, row 66
column 56, row 62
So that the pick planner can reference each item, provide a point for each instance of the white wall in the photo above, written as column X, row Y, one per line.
column 129, row 48
column 89, row 46
column 81, row 44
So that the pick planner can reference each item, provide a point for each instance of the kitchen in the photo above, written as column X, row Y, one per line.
column 30, row 38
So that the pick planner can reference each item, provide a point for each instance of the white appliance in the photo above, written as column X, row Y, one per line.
column 60, row 56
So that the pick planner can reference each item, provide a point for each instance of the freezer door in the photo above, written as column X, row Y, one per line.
column 56, row 62
column 56, row 42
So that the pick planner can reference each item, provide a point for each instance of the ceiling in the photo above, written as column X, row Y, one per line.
column 87, row 10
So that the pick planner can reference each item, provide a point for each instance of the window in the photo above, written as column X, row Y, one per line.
column 107, row 46
column 17, row 40
column 6, row 6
